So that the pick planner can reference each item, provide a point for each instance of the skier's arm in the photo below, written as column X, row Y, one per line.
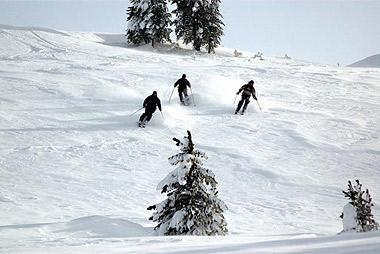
column 145, row 102
column 176, row 83
column 159, row 104
column 241, row 88
column 188, row 84
column 254, row 94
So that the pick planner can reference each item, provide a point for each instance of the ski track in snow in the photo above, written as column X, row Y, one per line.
column 75, row 170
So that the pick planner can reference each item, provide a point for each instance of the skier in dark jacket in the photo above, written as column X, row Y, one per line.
column 182, row 84
column 150, row 104
column 247, row 90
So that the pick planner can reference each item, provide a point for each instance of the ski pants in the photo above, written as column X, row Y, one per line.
column 147, row 115
column 181, row 93
column 245, row 100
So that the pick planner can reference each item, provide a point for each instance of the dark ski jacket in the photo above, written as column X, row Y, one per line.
column 151, row 102
column 248, row 90
column 182, row 83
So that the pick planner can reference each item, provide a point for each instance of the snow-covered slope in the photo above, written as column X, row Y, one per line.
column 371, row 62
column 76, row 174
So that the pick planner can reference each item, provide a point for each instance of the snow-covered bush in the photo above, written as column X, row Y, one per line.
column 258, row 55
column 192, row 206
column 237, row 53
column 357, row 214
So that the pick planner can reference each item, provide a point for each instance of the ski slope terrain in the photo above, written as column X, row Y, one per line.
column 368, row 62
column 77, row 174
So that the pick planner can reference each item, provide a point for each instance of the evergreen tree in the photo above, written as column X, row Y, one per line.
column 365, row 216
column 192, row 206
column 160, row 21
column 138, row 31
column 190, row 21
column 214, row 27
column 198, row 22
column 148, row 21
column 362, row 202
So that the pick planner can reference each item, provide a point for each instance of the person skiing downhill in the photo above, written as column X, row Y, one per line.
column 150, row 104
column 247, row 90
column 182, row 84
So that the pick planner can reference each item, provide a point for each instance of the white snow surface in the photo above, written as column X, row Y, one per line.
column 349, row 218
column 76, row 174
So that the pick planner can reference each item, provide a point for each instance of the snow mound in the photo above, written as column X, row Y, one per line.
column 104, row 227
column 113, row 39
column 371, row 62
column 31, row 28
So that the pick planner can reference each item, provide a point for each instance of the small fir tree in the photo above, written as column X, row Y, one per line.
column 192, row 206
column 365, row 216
column 362, row 202
column 148, row 21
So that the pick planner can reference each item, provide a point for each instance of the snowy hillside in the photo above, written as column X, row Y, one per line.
column 371, row 61
column 77, row 174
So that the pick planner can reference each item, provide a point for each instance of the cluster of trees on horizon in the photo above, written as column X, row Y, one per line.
column 196, row 21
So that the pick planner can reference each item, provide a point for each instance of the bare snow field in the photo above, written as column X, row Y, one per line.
column 77, row 174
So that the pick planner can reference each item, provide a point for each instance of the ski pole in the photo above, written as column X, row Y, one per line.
column 257, row 94
column 192, row 96
column 171, row 95
column 235, row 98
column 162, row 115
column 258, row 104
column 136, row 111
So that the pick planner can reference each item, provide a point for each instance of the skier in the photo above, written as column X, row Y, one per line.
column 182, row 84
column 150, row 104
column 247, row 90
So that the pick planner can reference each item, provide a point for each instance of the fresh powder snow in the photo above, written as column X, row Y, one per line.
column 77, row 174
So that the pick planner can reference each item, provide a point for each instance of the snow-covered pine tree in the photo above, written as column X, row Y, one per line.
column 138, row 31
column 362, row 202
column 214, row 28
column 160, row 21
column 192, row 206
column 148, row 21
column 190, row 21
column 367, row 222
